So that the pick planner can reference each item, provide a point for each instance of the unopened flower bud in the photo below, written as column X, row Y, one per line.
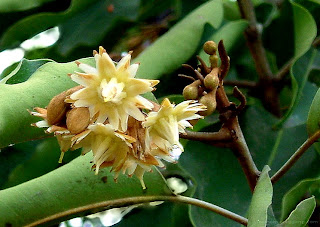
column 56, row 109
column 191, row 91
column 211, row 81
column 210, row 47
column 78, row 120
column 209, row 100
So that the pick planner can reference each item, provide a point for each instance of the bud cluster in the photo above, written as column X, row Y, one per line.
column 204, row 89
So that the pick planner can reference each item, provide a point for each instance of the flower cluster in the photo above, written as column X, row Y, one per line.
column 107, row 115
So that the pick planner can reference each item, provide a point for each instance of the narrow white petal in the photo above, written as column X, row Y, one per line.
column 88, row 69
column 133, row 70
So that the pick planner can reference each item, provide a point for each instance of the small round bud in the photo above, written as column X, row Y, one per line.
column 56, row 109
column 210, row 47
column 190, row 92
column 214, row 61
column 78, row 120
column 209, row 100
column 211, row 81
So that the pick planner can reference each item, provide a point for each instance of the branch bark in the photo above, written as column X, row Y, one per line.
column 145, row 199
column 295, row 157
column 254, row 40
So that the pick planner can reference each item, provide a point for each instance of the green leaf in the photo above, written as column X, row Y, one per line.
column 158, row 216
column 23, row 71
column 219, row 181
column 289, row 140
column 177, row 45
column 313, row 122
column 300, row 113
column 70, row 187
column 97, row 21
column 48, row 81
column 43, row 160
column 97, row 24
column 261, row 200
column 18, row 5
column 301, row 215
column 296, row 194
column 305, row 30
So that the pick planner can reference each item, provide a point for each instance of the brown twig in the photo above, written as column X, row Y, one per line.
column 241, row 84
column 238, row 144
column 223, row 135
column 139, row 200
column 254, row 40
column 295, row 157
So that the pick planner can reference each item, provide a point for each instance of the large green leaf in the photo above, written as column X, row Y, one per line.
column 95, row 25
column 301, row 215
column 220, row 178
column 296, row 194
column 261, row 200
column 48, row 81
column 69, row 187
column 306, row 167
column 180, row 42
column 219, row 175
column 93, row 15
column 300, row 113
column 18, row 5
column 313, row 123
column 23, row 71
column 167, row 214
column 48, row 150
column 305, row 30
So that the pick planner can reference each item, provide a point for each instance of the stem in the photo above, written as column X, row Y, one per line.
column 238, row 145
column 241, row 151
column 295, row 157
column 243, row 84
column 145, row 199
column 223, row 135
column 254, row 40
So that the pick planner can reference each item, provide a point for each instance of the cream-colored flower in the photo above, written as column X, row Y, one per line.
column 164, row 126
column 111, row 92
column 116, row 149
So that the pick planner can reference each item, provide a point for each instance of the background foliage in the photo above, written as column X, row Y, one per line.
column 163, row 35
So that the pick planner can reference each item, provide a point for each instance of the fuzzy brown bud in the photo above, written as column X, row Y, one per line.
column 211, row 81
column 209, row 100
column 191, row 91
column 210, row 47
column 78, row 120
column 56, row 109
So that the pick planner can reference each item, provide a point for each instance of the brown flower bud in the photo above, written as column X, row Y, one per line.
column 209, row 100
column 57, row 109
column 191, row 91
column 78, row 120
column 210, row 47
column 211, row 81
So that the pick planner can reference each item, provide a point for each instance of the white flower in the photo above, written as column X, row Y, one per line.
column 111, row 92
column 116, row 149
column 164, row 126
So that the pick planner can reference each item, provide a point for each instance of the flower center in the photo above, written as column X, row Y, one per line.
column 112, row 91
